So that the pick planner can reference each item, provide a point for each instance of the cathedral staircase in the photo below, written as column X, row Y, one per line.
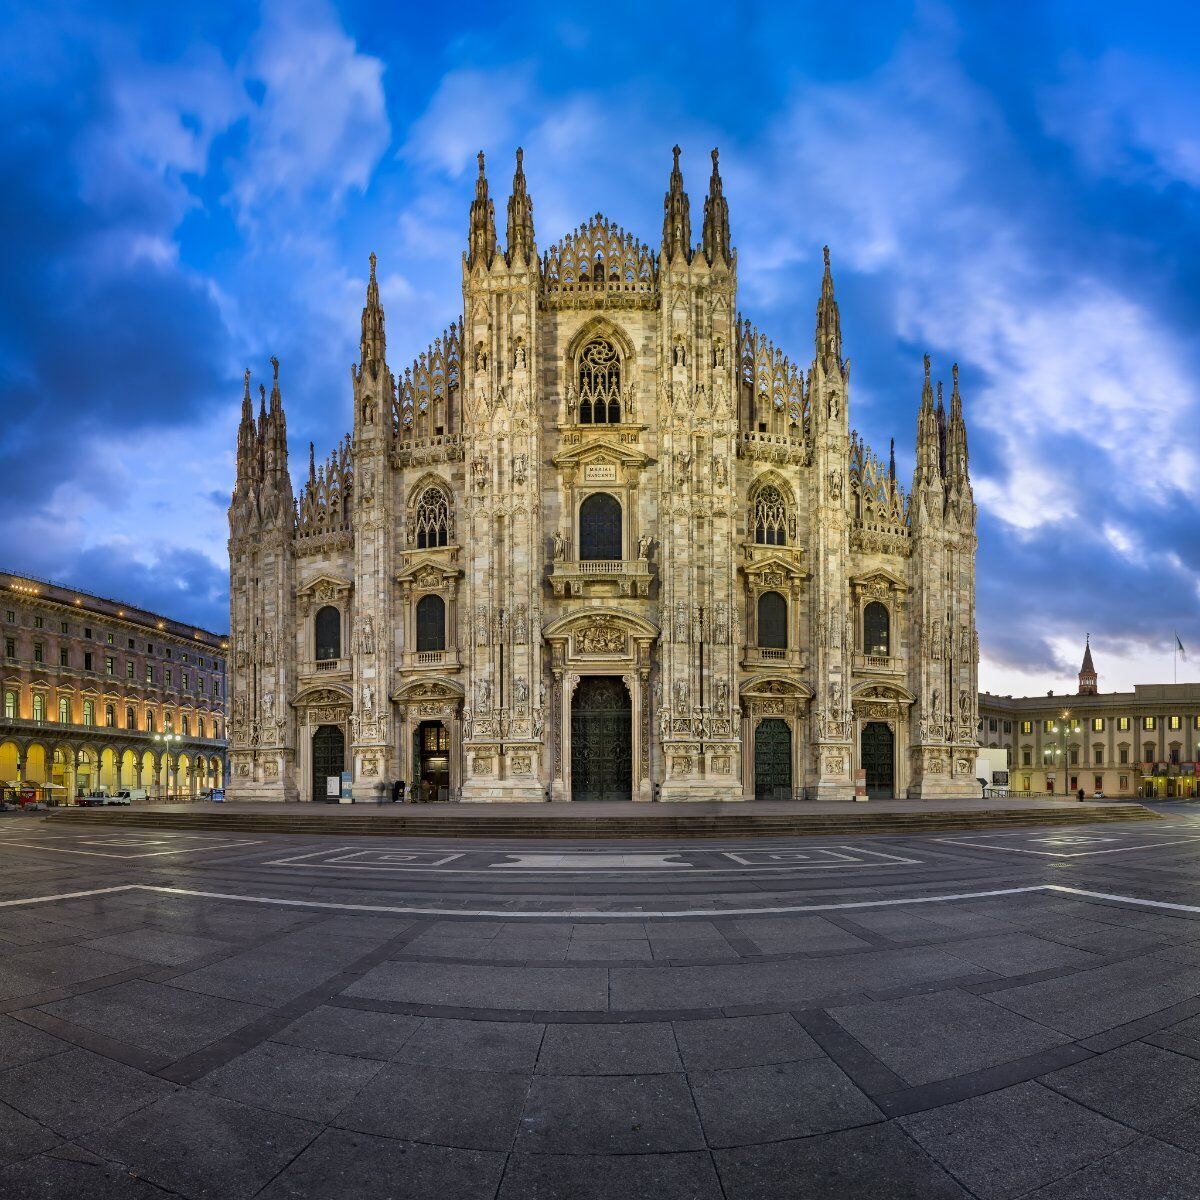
column 657, row 821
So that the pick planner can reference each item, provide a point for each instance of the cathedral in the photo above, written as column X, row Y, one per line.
column 602, row 540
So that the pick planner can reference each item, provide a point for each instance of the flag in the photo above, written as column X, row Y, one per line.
column 1180, row 649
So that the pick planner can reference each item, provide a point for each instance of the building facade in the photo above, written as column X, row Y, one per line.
column 1142, row 743
column 99, row 694
column 603, row 539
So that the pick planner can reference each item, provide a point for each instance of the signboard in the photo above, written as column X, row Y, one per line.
column 600, row 473
column 347, row 786
column 333, row 786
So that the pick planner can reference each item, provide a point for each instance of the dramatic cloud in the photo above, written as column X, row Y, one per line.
column 187, row 194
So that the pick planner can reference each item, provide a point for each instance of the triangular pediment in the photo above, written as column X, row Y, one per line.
column 603, row 450
column 325, row 583
column 879, row 577
column 776, row 686
column 772, row 565
column 429, row 570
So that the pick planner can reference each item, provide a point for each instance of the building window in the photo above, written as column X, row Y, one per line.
column 1074, row 756
column 431, row 520
column 149, row 648
column 992, row 724
column 89, row 712
column 600, row 528
column 87, row 661
column 200, row 727
column 64, row 710
column 149, row 673
column 1148, row 752
column 1097, row 724
column 1026, row 758
column 110, row 717
column 599, row 384
column 1124, row 783
column 10, row 706
column 1098, row 752
column 108, row 637
column 87, row 631
column 431, row 623
column 327, row 627
column 11, row 616
column 1174, row 722
column 129, row 669
column 1008, row 727
column 1026, row 726
column 200, row 684
column 772, row 621
column 131, row 643
column 1099, row 782
column 110, row 665
column 168, row 723
column 877, row 631
column 1122, row 723
column 38, row 652
column 63, row 627
column 769, row 517
column 167, row 652
column 130, row 719
column 10, row 647
column 39, row 706
column 1047, row 726
column 167, row 676
column 183, row 725
column 64, row 657
column 185, row 681
column 39, row 623
column 149, row 721
column 1148, row 722
column 1123, row 755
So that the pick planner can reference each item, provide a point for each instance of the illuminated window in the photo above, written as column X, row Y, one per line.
column 149, row 673
column 1122, row 723
column 1148, row 722
column 149, row 721
column 130, row 719
column 110, row 665
column 10, row 647
column 183, row 725
column 1174, row 722
column 89, row 712
column 10, row 706
column 1097, row 724
column 64, row 710
column 39, row 706
column 129, row 669
column 1047, row 726
column 39, row 623
column 110, row 716
column 1026, row 726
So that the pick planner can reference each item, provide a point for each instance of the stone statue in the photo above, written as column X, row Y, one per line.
column 644, row 544
column 521, row 690
column 368, row 699
column 560, row 546
column 484, row 691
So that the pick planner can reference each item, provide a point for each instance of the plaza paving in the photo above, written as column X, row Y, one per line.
column 993, row 1013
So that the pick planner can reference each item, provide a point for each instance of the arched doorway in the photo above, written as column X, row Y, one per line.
column 878, row 760
column 773, row 760
column 328, row 758
column 433, row 761
column 601, row 739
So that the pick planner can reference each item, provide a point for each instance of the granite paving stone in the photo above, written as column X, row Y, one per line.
column 258, row 977
column 596, row 1177
column 616, row 1114
column 1145, row 1170
column 1010, row 1142
column 21, row 1137
column 781, row 1100
column 635, row 1049
column 722, row 1042
column 21, row 1043
column 600, row 950
column 204, row 1147
column 159, row 946
column 347, row 1165
column 876, row 1162
column 813, row 934
column 473, row 1045
column 350, row 1031
column 51, row 1177
column 76, row 1091
column 1020, row 953
column 931, row 1037
column 473, row 1110
column 293, row 1080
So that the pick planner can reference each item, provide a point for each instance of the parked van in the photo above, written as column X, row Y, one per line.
column 126, row 795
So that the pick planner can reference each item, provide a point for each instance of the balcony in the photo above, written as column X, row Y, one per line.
column 601, row 577
column 326, row 666
column 438, row 660
column 755, row 658
column 878, row 664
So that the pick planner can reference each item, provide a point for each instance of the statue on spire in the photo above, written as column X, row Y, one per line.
column 481, row 235
column 677, row 216
column 715, row 233
column 373, row 345
column 520, row 217
column 829, row 325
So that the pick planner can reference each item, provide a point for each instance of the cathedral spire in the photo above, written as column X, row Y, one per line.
column 247, row 438
column 373, row 346
column 829, row 324
column 929, row 472
column 1088, row 680
column 958, row 459
column 520, row 217
column 677, row 216
column 892, row 464
column 716, row 220
column 481, row 237
column 941, row 425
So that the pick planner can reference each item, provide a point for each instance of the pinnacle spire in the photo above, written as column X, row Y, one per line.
column 373, row 345
column 1088, row 681
column 677, row 216
column 715, row 234
column 481, row 236
column 520, row 217
column 276, row 399
column 928, row 472
column 941, row 424
column 956, row 440
column 312, row 464
column 829, row 324
column 892, row 464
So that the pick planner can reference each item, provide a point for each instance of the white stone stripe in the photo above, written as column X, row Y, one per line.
column 121, row 887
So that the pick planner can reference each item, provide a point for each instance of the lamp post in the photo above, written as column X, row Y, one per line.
column 165, row 740
column 1062, row 729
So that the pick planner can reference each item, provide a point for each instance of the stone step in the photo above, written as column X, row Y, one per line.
column 537, row 825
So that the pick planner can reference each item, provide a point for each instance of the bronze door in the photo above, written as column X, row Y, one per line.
column 601, row 740
column 328, row 758
column 772, row 760
column 878, row 760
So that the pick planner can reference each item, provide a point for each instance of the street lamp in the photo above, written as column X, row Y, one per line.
column 1065, row 726
column 165, row 740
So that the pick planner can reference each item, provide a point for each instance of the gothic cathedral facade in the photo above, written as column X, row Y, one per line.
column 603, row 540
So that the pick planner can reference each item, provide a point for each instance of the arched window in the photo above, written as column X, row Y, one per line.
column 110, row 717
column 64, row 710
column 431, row 623
column 769, row 518
column 89, row 712
column 149, row 721
column 10, row 706
column 600, row 527
column 168, row 723
column 183, row 725
column 431, row 520
column 328, row 629
column 772, row 621
column 130, row 719
column 200, row 727
column 876, row 629
column 39, row 706
column 599, row 384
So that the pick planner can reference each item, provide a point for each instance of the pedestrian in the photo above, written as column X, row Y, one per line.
column 1081, row 795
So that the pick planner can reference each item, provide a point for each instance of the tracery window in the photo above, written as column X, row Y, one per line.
column 769, row 517
column 431, row 623
column 64, row 711
column 599, row 384
column 39, row 706
column 431, row 521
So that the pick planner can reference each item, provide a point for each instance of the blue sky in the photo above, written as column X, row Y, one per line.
column 189, row 189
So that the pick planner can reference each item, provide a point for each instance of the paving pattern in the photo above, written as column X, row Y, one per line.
column 998, row 1014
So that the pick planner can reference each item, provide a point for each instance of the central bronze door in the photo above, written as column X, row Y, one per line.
column 601, row 740
column 878, row 760
column 772, row 760
column 328, row 759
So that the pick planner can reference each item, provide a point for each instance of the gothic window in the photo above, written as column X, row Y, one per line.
column 10, row 705
column 431, row 521
column 328, row 629
column 876, row 631
column 600, row 527
column 599, row 384
column 772, row 621
column 39, row 706
column 770, row 517
column 431, row 623
column 110, row 717
column 64, row 711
